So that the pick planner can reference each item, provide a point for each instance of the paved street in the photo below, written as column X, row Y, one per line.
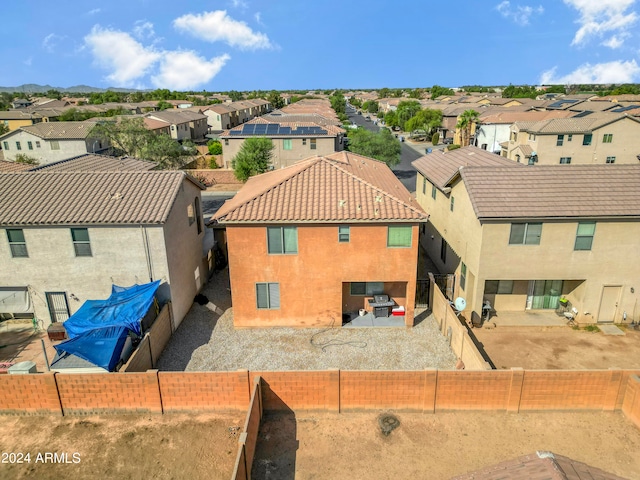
column 404, row 171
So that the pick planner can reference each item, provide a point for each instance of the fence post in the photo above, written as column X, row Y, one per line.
column 515, row 389
column 613, row 390
column 430, row 389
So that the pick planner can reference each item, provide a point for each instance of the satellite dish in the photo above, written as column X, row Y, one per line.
column 460, row 304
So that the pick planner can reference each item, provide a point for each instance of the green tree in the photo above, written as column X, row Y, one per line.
column 24, row 158
column 435, row 139
column 415, row 93
column 253, row 158
column 3, row 129
column 215, row 147
column 525, row 91
column 169, row 154
column 355, row 102
column 338, row 103
column 437, row 91
column 384, row 93
column 382, row 146
column 275, row 100
column 54, row 94
column 371, row 106
column 235, row 96
column 163, row 105
column 128, row 137
column 391, row 118
column 426, row 120
column 407, row 109
column 465, row 123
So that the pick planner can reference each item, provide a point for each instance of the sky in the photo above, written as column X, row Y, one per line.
column 221, row 45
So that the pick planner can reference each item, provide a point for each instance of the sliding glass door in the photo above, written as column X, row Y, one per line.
column 544, row 294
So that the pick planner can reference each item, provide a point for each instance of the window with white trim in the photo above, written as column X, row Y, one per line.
column 584, row 235
column 611, row 159
column 525, row 234
column 344, row 234
column 399, row 236
column 282, row 240
column 81, row 243
column 17, row 243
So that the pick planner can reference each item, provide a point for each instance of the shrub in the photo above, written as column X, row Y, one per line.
column 212, row 163
column 452, row 147
column 215, row 147
column 435, row 139
column 24, row 158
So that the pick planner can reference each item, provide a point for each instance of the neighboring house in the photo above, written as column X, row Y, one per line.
column 309, row 244
column 52, row 141
column 593, row 139
column 184, row 124
column 293, row 141
column 96, row 163
column 522, row 237
column 157, row 126
column 14, row 119
column 66, row 237
column 219, row 117
column 494, row 127
column 21, row 103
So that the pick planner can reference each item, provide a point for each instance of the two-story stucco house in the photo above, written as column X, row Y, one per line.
column 293, row 141
column 593, row 139
column 310, row 244
column 51, row 141
column 184, row 124
column 522, row 237
column 66, row 237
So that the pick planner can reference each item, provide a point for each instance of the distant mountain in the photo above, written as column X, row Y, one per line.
column 35, row 88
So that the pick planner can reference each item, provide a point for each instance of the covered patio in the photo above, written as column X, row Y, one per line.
column 528, row 318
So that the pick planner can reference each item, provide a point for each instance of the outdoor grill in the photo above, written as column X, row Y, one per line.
column 380, row 304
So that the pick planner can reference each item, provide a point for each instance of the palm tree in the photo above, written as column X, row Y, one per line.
column 465, row 122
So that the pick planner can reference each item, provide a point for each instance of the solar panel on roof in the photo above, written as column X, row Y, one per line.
column 248, row 129
column 285, row 130
column 261, row 129
column 624, row 109
column 583, row 114
column 272, row 128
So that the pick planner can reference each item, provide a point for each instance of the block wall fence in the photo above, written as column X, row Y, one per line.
column 427, row 391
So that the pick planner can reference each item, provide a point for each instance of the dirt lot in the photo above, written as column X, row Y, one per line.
column 332, row 446
column 122, row 446
column 559, row 348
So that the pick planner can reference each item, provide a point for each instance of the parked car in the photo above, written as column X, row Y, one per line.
column 448, row 141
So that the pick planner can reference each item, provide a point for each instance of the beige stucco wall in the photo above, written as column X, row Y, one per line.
column 118, row 256
column 44, row 154
column 283, row 158
column 218, row 121
column 485, row 249
column 187, row 273
column 623, row 147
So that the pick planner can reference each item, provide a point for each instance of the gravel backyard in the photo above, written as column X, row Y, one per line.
column 206, row 341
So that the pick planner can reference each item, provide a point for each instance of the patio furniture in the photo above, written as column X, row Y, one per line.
column 380, row 304
column 56, row 332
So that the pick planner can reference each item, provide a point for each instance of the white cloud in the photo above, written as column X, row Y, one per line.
column 186, row 70
column 217, row 26
column 258, row 17
column 519, row 14
column 602, row 17
column 118, row 52
column 94, row 11
column 50, row 42
column 28, row 61
column 143, row 29
column 240, row 4
column 610, row 72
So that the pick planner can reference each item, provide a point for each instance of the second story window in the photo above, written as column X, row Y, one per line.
column 565, row 160
column 434, row 191
column 344, row 234
column 81, row 244
column 18, row 146
column 282, row 240
column 55, row 145
column 304, row 141
column 424, row 185
column 525, row 234
column 17, row 243
column 560, row 141
column 312, row 143
column 451, row 204
column 607, row 138
column 584, row 235
column 611, row 159
column 586, row 140
column 30, row 145
column 399, row 236
column 5, row 145
column 286, row 144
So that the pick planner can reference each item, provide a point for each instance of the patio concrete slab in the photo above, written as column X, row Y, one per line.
column 531, row 318
column 19, row 342
column 369, row 320
column 610, row 329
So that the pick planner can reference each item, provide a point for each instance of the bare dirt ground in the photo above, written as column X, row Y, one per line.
column 122, row 446
column 559, row 348
column 440, row 446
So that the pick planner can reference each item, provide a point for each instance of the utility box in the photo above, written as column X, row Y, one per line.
column 23, row 368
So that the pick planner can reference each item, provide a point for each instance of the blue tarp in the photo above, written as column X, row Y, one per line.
column 126, row 307
column 100, row 346
column 98, row 330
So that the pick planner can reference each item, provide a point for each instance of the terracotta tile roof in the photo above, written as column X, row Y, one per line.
column 278, row 116
column 88, row 198
column 573, row 125
column 6, row 167
column 153, row 124
column 97, row 163
column 553, row 191
column 441, row 168
column 60, row 130
column 540, row 466
column 17, row 115
column 176, row 116
column 341, row 187
column 220, row 108
column 509, row 116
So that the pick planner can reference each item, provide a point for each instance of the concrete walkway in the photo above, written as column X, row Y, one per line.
column 529, row 318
